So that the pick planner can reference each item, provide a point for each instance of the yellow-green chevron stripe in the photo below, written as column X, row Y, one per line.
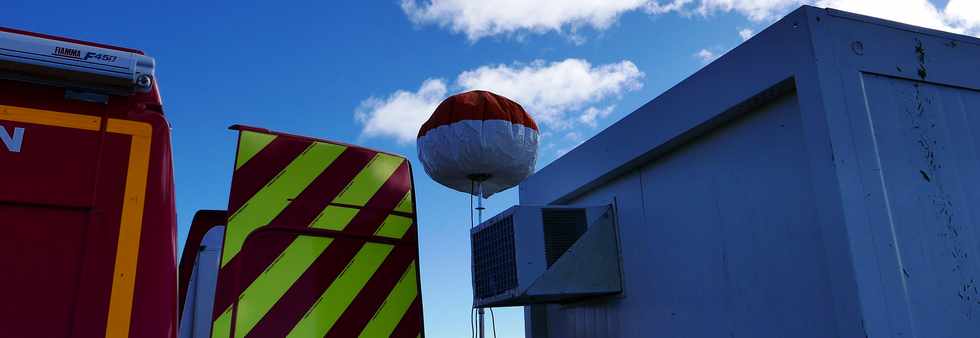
column 406, row 203
column 282, row 274
column 273, row 283
column 222, row 325
column 394, row 226
column 255, row 302
column 369, row 180
column 334, row 218
column 276, row 195
column 391, row 312
column 339, row 295
column 249, row 144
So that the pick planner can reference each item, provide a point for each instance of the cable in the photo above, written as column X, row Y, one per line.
column 493, row 323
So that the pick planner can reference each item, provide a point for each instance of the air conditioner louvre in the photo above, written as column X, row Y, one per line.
column 494, row 258
column 562, row 227
column 545, row 255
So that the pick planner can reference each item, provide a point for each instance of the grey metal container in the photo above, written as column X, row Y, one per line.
column 820, row 180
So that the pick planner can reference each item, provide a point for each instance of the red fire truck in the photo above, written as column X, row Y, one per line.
column 320, row 238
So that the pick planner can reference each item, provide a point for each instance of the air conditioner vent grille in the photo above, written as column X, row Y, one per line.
column 562, row 227
column 494, row 263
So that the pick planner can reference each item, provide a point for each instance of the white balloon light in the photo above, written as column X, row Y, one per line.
column 479, row 143
column 478, row 139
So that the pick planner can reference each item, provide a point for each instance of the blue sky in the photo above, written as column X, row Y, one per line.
column 370, row 72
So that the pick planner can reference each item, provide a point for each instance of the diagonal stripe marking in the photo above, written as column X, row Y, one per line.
column 222, row 325
column 359, row 191
column 406, row 204
column 249, row 144
column 273, row 283
column 300, row 212
column 394, row 226
column 262, row 168
column 395, row 306
column 262, row 294
column 334, row 218
column 303, row 294
column 367, row 303
column 381, row 204
column 410, row 324
column 301, row 297
column 275, row 196
column 369, row 180
column 332, row 303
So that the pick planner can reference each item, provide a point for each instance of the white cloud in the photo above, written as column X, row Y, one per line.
column 553, row 90
column 573, row 140
column 745, row 33
column 400, row 115
column 654, row 7
column 705, row 55
column 550, row 92
column 916, row 12
column 573, row 136
column 562, row 151
column 755, row 10
column 965, row 14
column 959, row 16
column 590, row 116
column 479, row 19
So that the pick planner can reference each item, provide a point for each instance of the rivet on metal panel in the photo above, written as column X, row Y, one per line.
column 857, row 47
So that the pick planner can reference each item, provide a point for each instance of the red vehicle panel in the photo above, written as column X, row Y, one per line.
column 88, row 216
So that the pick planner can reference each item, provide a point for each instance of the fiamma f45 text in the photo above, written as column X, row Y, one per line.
column 39, row 59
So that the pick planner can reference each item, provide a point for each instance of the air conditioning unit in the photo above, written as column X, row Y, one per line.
column 545, row 254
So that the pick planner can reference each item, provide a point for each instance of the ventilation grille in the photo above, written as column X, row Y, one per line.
column 562, row 227
column 494, row 263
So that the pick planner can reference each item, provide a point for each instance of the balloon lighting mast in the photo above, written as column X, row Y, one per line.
column 479, row 143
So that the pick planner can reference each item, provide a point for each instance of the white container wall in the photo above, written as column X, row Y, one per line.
column 821, row 180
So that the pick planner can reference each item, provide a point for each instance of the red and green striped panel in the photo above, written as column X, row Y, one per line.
column 321, row 241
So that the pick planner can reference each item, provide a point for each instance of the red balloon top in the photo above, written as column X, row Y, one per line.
column 477, row 105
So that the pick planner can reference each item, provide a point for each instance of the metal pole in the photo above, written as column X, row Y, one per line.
column 480, row 322
column 479, row 212
column 479, row 201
